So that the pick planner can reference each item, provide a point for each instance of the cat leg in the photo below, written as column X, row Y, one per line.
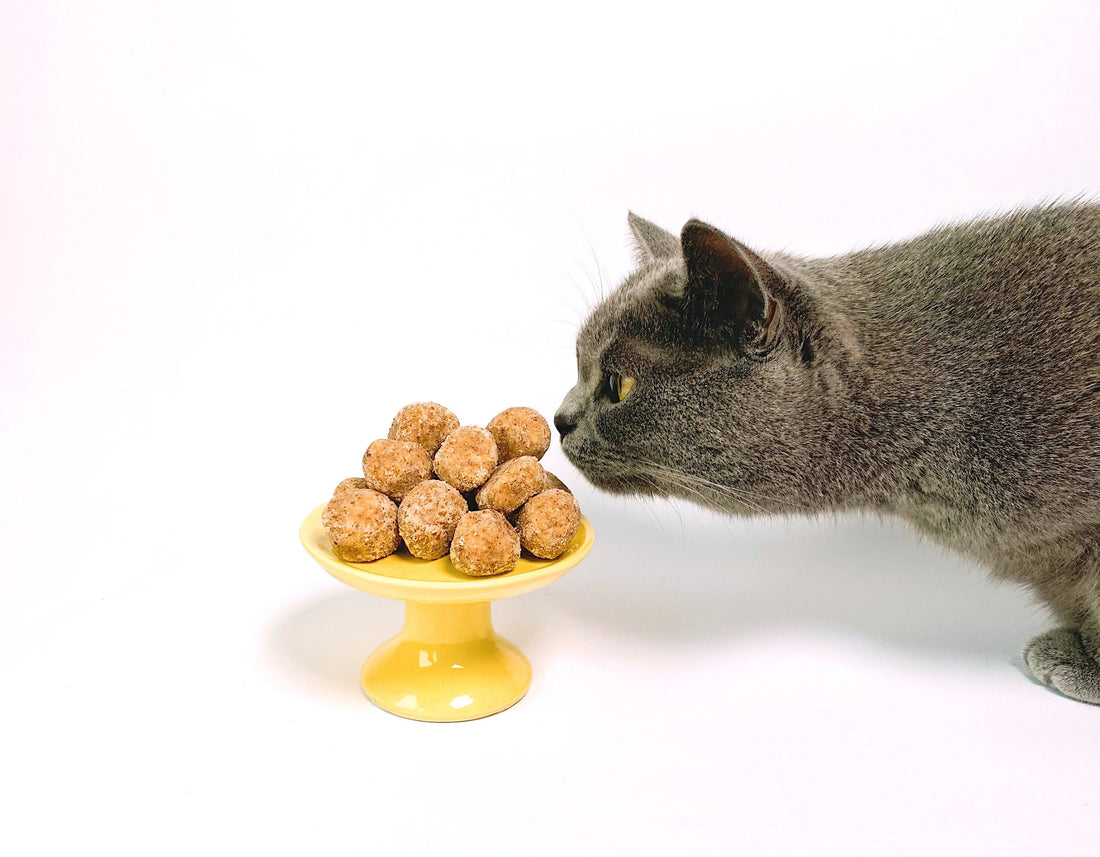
column 1065, row 659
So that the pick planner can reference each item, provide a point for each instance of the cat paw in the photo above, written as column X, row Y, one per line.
column 1059, row 660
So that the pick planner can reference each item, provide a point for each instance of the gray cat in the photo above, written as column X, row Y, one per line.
column 952, row 380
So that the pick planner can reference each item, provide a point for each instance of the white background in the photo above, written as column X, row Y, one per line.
column 236, row 238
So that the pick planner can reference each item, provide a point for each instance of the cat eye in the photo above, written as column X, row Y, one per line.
column 618, row 386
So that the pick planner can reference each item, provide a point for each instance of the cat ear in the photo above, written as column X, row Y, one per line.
column 728, row 287
column 651, row 242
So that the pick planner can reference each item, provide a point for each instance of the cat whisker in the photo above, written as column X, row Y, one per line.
column 602, row 289
column 690, row 485
column 585, row 299
column 727, row 489
column 698, row 486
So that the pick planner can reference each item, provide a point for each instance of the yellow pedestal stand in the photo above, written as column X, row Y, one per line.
column 447, row 663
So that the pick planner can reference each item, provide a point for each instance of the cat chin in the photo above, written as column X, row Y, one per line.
column 629, row 486
column 593, row 467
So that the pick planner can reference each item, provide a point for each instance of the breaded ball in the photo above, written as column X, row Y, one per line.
column 395, row 466
column 548, row 522
column 361, row 524
column 426, row 423
column 484, row 543
column 351, row 482
column 552, row 481
column 466, row 458
column 427, row 518
column 512, row 484
column 520, row 431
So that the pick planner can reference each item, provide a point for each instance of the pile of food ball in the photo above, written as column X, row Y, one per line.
column 479, row 494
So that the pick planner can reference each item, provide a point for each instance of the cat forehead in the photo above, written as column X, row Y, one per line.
column 621, row 312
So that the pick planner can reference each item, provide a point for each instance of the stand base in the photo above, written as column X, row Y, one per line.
column 446, row 665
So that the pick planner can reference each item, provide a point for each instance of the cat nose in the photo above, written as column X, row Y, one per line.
column 564, row 423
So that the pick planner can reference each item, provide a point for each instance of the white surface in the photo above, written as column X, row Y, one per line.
column 236, row 238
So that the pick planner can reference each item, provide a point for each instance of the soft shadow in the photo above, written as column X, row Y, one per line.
column 681, row 576
column 321, row 644
column 678, row 577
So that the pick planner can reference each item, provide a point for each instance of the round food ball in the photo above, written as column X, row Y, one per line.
column 356, row 482
column 466, row 457
column 512, row 484
column 427, row 518
column 361, row 524
column 484, row 543
column 552, row 481
column 520, row 431
column 395, row 466
column 548, row 522
column 426, row 423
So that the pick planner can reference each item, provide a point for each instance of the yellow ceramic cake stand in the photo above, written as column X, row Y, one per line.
column 447, row 663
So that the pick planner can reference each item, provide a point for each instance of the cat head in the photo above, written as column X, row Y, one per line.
column 691, row 375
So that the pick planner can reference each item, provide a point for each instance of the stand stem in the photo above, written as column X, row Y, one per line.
column 446, row 664
column 447, row 623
